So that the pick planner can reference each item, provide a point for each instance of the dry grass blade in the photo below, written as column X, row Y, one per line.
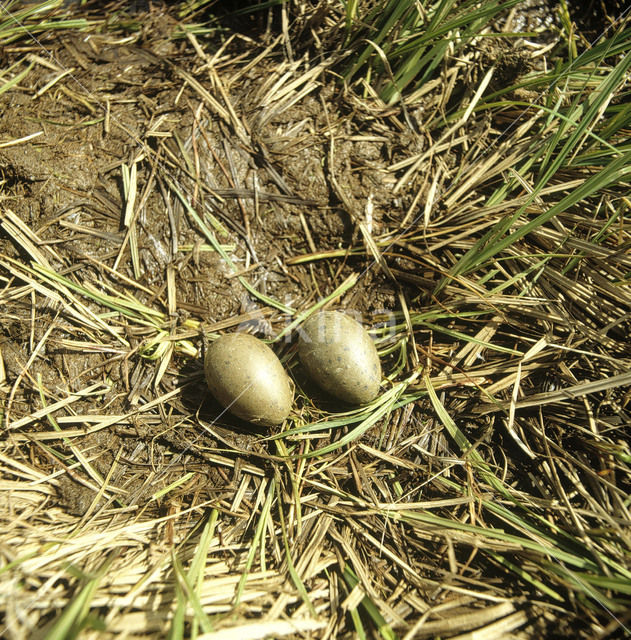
column 569, row 393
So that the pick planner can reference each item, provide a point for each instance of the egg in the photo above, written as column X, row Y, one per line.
column 247, row 378
column 339, row 355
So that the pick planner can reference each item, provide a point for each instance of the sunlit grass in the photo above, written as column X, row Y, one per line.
column 402, row 44
column 492, row 470
column 19, row 19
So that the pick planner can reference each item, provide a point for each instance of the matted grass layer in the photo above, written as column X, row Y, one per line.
column 167, row 175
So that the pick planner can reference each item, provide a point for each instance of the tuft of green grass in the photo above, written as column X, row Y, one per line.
column 401, row 44
column 582, row 134
column 19, row 20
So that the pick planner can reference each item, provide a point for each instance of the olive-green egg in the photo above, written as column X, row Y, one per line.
column 248, row 379
column 339, row 355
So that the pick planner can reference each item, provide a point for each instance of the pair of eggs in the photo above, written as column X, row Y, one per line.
column 248, row 379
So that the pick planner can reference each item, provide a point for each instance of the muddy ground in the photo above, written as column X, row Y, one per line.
column 262, row 177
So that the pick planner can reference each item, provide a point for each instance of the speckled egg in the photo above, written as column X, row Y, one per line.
column 339, row 355
column 248, row 379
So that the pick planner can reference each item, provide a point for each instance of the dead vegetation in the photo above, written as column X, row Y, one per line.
column 162, row 183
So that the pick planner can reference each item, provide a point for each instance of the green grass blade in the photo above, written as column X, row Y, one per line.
column 493, row 243
column 256, row 540
column 76, row 616
column 385, row 630
column 189, row 597
column 299, row 584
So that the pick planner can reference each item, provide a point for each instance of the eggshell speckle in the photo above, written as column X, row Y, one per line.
column 340, row 357
column 247, row 378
